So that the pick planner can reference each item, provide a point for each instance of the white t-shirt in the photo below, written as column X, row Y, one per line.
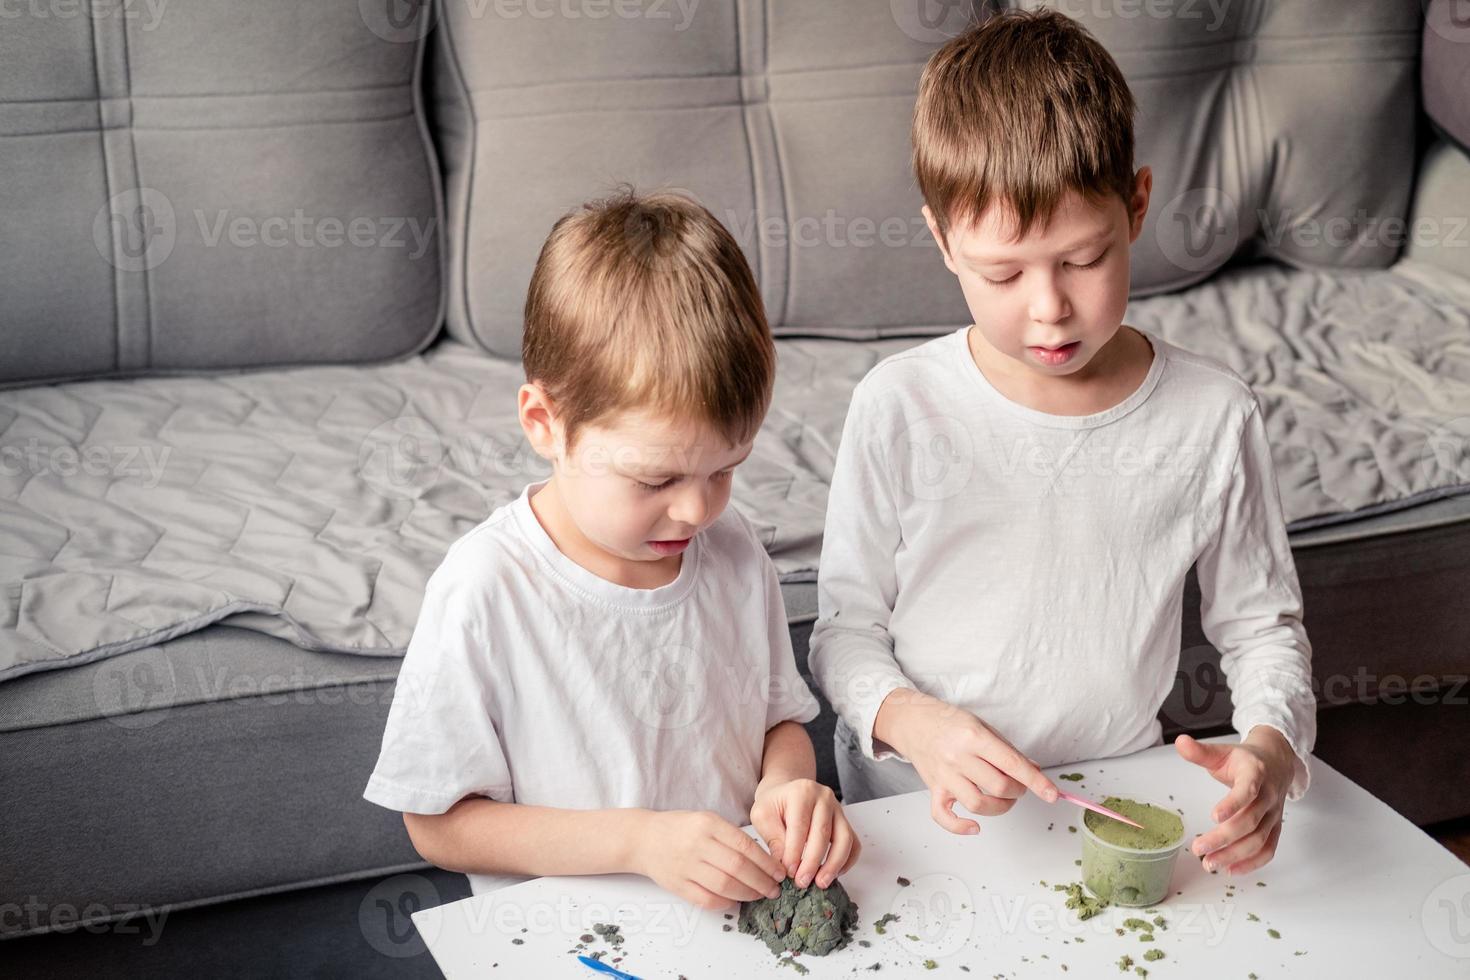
column 531, row 680
column 1030, row 567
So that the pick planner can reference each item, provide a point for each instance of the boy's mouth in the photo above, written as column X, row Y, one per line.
column 1052, row 356
column 670, row 547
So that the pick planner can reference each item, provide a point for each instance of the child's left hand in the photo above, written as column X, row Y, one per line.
column 1258, row 771
column 801, row 822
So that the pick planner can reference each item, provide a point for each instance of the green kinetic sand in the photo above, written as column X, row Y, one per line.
column 1121, row 877
column 812, row 921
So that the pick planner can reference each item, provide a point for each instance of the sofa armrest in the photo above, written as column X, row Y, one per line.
column 1439, row 220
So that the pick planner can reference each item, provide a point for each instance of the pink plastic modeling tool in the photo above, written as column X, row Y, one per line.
column 1095, row 808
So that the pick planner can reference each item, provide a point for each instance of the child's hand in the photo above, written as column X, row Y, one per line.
column 1258, row 771
column 801, row 821
column 705, row 859
column 960, row 758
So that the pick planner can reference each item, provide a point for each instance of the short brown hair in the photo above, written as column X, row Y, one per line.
column 1021, row 108
column 647, row 302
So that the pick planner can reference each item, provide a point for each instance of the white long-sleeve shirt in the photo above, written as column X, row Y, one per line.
column 1030, row 567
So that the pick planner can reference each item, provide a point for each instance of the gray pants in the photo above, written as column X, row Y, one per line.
column 862, row 778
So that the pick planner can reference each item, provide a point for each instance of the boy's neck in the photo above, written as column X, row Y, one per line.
column 1117, row 371
column 551, row 513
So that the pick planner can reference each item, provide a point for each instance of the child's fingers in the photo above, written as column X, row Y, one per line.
column 1246, row 846
column 817, row 839
column 991, row 781
column 1003, row 756
column 852, row 855
column 1263, row 856
column 940, row 808
column 797, row 827
column 733, row 879
column 1230, row 831
column 1210, row 756
column 837, row 855
column 1245, row 790
column 752, row 853
column 696, row 894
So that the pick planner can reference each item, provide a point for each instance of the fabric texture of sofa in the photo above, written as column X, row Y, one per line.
column 236, row 442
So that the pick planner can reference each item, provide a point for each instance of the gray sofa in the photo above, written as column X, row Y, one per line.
column 262, row 269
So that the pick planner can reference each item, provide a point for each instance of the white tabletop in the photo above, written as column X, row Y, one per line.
column 1354, row 891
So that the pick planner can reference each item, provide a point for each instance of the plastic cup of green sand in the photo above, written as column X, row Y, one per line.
column 1127, row 866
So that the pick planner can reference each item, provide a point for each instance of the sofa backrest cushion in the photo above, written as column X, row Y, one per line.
column 1263, row 123
column 211, row 185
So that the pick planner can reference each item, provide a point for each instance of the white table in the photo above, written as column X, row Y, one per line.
column 1355, row 888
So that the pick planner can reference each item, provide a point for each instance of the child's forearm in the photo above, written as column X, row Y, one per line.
column 482, row 836
column 788, row 754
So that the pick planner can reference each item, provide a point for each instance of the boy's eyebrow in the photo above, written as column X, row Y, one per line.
column 664, row 474
column 1094, row 239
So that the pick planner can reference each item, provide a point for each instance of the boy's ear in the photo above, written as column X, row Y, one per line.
column 538, row 420
column 1143, row 185
column 939, row 239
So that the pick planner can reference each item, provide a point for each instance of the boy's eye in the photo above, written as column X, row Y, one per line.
column 652, row 487
column 1091, row 264
column 1002, row 282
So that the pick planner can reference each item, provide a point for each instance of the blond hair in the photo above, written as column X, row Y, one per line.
column 647, row 303
column 1020, row 109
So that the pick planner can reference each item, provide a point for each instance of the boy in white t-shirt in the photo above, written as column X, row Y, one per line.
column 601, row 678
column 1015, row 507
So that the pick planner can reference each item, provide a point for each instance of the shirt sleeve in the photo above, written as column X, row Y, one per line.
column 857, row 585
column 1251, row 607
column 440, row 743
column 790, row 699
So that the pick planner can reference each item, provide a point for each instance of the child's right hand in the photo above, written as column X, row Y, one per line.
column 705, row 859
column 959, row 757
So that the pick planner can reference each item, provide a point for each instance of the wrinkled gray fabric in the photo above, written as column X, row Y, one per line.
column 312, row 504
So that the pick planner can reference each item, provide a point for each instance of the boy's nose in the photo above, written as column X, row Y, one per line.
column 1049, row 305
column 690, row 507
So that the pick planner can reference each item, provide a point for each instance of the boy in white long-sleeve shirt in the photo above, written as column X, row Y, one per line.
column 1015, row 506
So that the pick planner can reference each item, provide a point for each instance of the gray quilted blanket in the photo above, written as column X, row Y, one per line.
column 313, row 503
